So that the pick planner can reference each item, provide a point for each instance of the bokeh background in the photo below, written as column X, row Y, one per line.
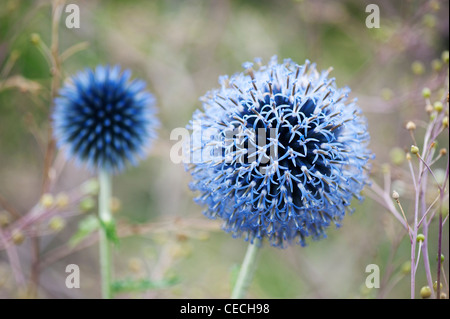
column 180, row 48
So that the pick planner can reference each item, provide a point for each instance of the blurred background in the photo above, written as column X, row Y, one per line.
column 180, row 48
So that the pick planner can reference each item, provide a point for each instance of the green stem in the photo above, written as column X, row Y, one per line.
column 247, row 269
column 105, row 217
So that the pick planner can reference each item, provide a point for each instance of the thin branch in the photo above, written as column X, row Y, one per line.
column 432, row 174
column 14, row 260
column 428, row 210
column 413, row 176
column 9, row 208
column 127, row 230
column 388, row 203
column 73, row 49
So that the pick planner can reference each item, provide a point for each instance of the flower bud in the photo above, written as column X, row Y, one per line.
column 395, row 195
column 410, row 126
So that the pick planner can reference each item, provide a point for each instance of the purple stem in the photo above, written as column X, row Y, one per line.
column 438, row 283
column 441, row 197
column 14, row 260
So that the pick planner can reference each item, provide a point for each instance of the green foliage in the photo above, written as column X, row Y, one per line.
column 86, row 226
column 179, row 48
column 141, row 285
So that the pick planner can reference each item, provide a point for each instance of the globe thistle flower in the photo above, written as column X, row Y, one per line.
column 103, row 119
column 278, row 152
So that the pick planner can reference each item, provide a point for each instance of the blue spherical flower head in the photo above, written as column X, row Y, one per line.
column 278, row 152
column 104, row 119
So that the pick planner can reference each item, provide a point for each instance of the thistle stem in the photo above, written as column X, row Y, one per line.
column 105, row 217
column 438, row 283
column 247, row 269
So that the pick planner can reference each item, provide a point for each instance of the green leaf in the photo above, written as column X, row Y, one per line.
column 141, row 285
column 111, row 231
column 85, row 227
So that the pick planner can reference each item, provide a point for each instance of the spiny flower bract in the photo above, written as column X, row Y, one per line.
column 278, row 152
column 104, row 119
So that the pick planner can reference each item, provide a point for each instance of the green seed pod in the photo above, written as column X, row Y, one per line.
column 35, row 39
column 87, row 204
column 397, row 155
column 438, row 106
column 426, row 93
column 435, row 5
column 425, row 292
column 429, row 20
column 387, row 94
column 436, row 64
column 62, row 200
column 414, row 149
column 56, row 223
column 47, row 200
column 418, row 68
column 4, row 219
column 420, row 237
column 435, row 285
column 445, row 56
column 406, row 267
column 17, row 237
column 90, row 187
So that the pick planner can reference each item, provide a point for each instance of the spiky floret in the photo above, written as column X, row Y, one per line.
column 103, row 119
column 278, row 152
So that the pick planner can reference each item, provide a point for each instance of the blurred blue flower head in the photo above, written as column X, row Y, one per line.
column 104, row 119
column 278, row 152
